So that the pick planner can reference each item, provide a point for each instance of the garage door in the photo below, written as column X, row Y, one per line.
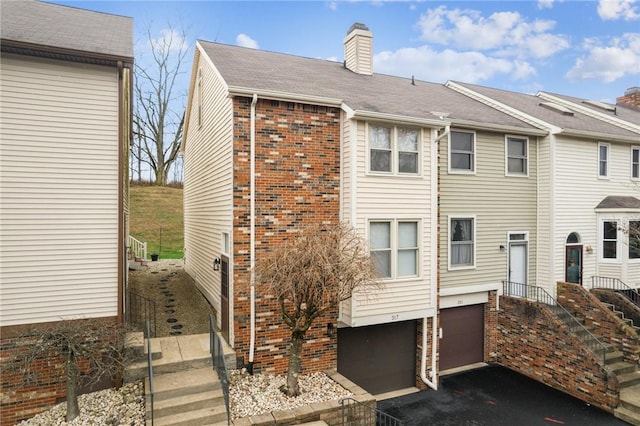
column 379, row 358
column 462, row 340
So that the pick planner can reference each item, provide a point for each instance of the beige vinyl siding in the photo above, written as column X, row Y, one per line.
column 59, row 190
column 208, row 182
column 499, row 204
column 579, row 191
column 545, row 213
column 383, row 197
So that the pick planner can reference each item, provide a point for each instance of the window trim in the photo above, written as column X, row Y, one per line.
column 634, row 148
column 628, row 241
column 607, row 161
column 526, row 156
column 395, row 151
column 450, row 218
column 601, row 240
column 394, row 246
column 454, row 171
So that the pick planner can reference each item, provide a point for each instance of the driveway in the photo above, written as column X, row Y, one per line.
column 494, row 396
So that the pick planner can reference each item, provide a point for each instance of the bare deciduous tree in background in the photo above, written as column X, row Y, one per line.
column 158, row 116
column 310, row 274
column 97, row 345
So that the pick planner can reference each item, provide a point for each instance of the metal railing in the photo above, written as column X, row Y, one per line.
column 356, row 413
column 540, row 295
column 217, row 360
column 618, row 286
column 150, row 369
column 140, row 309
column 138, row 248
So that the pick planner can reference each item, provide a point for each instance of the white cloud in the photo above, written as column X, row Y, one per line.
column 610, row 62
column 169, row 40
column 505, row 33
column 439, row 66
column 246, row 41
column 610, row 10
column 545, row 4
column 332, row 5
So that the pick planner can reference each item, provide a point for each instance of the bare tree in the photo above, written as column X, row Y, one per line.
column 310, row 274
column 158, row 117
column 97, row 345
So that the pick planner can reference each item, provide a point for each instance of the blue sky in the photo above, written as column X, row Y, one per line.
column 585, row 49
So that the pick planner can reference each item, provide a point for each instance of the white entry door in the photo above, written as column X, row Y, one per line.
column 518, row 268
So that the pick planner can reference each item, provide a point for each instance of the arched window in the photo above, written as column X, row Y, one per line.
column 573, row 238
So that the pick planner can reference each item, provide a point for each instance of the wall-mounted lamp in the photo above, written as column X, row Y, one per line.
column 216, row 264
column 502, row 247
column 331, row 330
column 589, row 249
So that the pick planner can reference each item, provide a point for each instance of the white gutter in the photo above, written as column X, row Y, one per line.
column 252, row 231
column 395, row 118
column 432, row 380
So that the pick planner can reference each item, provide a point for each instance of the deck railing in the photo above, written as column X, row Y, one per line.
column 540, row 295
column 618, row 286
column 138, row 248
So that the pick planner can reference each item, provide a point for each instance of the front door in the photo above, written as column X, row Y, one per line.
column 573, row 264
column 518, row 268
column 224, row 297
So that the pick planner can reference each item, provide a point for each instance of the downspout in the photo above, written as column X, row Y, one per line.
column 432, row 380
column 252, row 233
column 122, row 182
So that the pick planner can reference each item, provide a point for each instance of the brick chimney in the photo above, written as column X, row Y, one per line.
column 631, row 97
column 358, row 49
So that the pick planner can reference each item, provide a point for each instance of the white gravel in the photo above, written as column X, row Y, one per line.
column 258, row 394
column 114, row 407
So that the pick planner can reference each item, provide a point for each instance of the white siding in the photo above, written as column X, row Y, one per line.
column 395, row 197
column 498, row 203
column 58, row 190
column 208, row 193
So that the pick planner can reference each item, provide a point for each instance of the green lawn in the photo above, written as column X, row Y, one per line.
column 156, row 216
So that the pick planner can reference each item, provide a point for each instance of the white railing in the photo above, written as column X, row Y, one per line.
column 138, row 248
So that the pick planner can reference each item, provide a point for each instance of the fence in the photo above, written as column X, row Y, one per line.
column 217, row 359
column 540, row 295
column 139, row 310
column 356, row 413
column 150, row 368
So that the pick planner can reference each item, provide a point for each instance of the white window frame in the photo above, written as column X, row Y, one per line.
column 395, row 151
column 456, row 171
column 635, row 148
column 628, row 241
column 225, row 242
column 601, row 240
column 394, row 246
column 451, row 218
column 506, row 156
column 607, row 161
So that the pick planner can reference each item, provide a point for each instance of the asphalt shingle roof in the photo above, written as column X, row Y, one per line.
column 624, row 112
column 268, row 71
column 619, row 202
column 38, row 23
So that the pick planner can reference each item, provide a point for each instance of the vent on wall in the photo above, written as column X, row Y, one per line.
column 557, row 108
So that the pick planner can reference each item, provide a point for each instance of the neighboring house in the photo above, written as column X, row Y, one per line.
column 274, row 141
column 65, row 76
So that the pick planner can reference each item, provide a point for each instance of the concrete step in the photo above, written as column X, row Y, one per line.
column 628, row 416
column 205, row 416
column 630, row 398
column 172, row 385
column 629, row 379
column 613, row 357
column 185, row 403
column 621, row 367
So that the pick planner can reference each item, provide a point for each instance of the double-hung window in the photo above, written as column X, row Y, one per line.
column 635, row 162
column 394, row 247
column 603, row 160
column 394, row 149
column 517, row 156
column 462, row 157
column 634, row 239
column 609, row 239
column 461, row 242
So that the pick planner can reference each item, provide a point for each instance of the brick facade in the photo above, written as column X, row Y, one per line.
column 533, row 342
column 297, row 182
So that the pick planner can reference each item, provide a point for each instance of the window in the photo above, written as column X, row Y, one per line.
column 393, row 150
column 394, row 248
column 603, row 160
column 225, row 243
column 517, row 153
column 635, row 163
column 462, row 152
column 610, row 239
column 461, row 242
column 634, row 239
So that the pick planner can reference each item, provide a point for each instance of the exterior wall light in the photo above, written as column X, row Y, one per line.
column 216, row 264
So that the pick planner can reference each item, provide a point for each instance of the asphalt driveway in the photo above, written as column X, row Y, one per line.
column 494, row 396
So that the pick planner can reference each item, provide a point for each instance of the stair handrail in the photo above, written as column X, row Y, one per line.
column 137, row 247
column 139, row 309
column 619, row 286
column 219, row 365
column 150, row 368
column 354, row 412
column 540, row 295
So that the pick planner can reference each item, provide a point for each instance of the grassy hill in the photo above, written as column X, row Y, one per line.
column 156, row 216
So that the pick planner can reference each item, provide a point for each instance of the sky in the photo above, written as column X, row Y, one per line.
column 587, row 49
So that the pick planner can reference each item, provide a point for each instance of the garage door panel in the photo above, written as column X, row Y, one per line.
column 462, row 340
